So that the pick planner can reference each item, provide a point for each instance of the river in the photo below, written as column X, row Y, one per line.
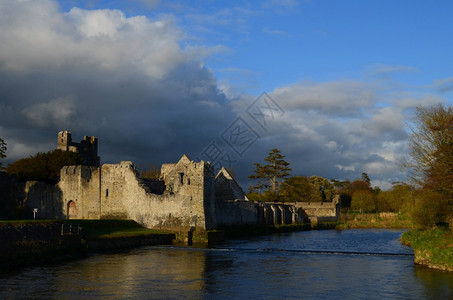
column 318, row 264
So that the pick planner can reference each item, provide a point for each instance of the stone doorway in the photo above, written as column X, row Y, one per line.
column 72, row 210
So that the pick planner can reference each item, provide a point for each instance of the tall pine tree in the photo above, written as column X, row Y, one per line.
column 270, row 175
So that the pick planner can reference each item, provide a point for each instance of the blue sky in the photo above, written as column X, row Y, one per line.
column 156, row 79
column 267, row 44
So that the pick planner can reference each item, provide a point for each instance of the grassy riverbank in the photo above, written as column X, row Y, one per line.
column 346, row 221
column 37, row 242
column 378, row 220
column 432, row 247
column 95, row 229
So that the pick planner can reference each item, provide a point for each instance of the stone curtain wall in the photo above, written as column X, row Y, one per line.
column 19, row 199
column 321, row 211
column 116, row 191
column 233, row 207
column 45, row 198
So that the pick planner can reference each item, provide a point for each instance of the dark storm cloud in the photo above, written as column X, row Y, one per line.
column 128, row 81
column 125, row 80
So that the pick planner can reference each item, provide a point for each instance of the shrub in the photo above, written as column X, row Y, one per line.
column 430, row 209
column 363, row 201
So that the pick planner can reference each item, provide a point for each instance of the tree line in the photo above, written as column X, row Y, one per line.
column 43, row 166
column 427, row 197
column 274, row 184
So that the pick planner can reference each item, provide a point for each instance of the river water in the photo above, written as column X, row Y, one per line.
column 318, row 264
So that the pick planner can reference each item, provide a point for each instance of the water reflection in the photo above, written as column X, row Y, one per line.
column 437, row 283
column 145, row 272
column 242, row 269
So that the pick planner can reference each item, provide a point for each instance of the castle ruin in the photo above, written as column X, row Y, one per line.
column 87, row 148
column 188, row 196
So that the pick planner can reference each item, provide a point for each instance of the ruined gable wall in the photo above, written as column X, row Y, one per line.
column 227, row 188
column 196, row 181
column 179, row 208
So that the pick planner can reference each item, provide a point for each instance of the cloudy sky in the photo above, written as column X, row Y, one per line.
column 332, row 84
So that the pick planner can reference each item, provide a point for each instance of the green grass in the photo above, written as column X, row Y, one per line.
column 432, row 247
column 99, row 228
column 356, row 220
column 112, row 228
column 23, row 221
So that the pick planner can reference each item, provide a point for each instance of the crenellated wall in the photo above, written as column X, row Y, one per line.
column 87, row 148
column 80, row 190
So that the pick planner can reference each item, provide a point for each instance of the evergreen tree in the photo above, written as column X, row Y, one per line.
column 2, row 151
column 270, row 175
column 43, row 166
column 366, row 178
column 324, row 188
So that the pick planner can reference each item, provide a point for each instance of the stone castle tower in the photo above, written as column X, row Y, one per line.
column 87, row 148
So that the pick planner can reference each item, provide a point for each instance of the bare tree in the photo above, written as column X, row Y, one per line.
column 431, row 146
column 431, row 164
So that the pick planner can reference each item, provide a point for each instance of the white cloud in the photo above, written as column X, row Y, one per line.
column 411, row 101
column 45, row 38
column 385, row 121
column 275, row 32
column 384, row 70
column 338, row 99
column 444, row 85
column 384, row 185
column 281, row 3
column 17, row 149
column 339, row 130
column 98, row 23
column 56, row 112
column 345, row 168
